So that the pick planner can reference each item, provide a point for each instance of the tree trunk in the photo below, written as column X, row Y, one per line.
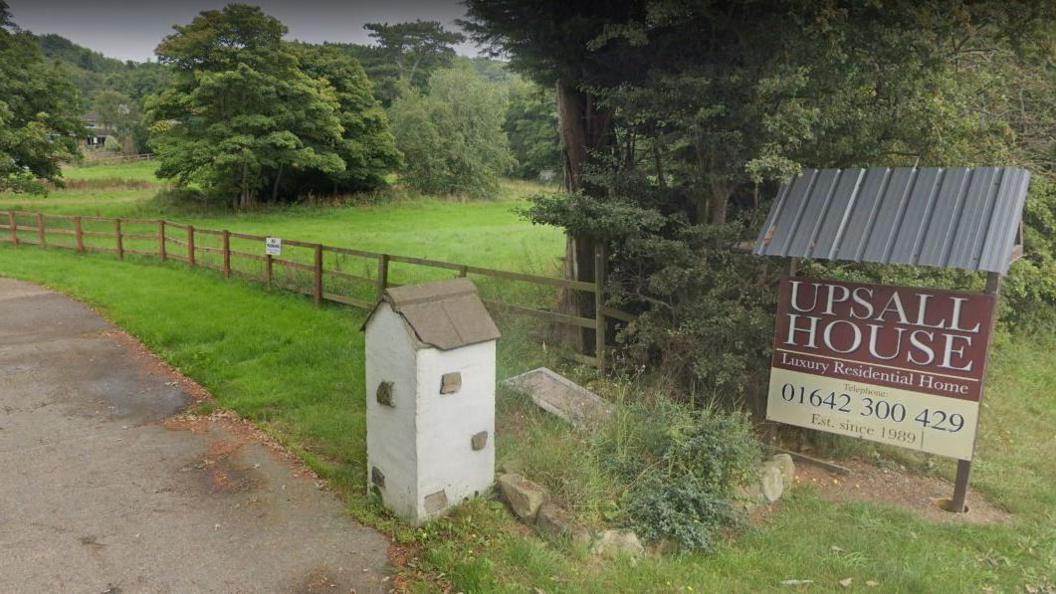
column 583, row 130
column 275, row 187
column 717, row 203
column 247, row 195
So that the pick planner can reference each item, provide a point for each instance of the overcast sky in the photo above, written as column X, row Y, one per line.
column 130, row 30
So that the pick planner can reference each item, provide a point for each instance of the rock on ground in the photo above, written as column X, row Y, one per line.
column 770, row 481
column 613, row 543
column 787, row 466
column 524, row 496
column 553, row 521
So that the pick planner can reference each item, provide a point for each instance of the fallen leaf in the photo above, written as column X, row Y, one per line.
column 846, row 582
column 871, row 583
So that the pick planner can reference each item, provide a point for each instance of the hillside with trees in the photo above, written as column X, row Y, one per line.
column 376, row 104
column 242, row 111
column 40, row 116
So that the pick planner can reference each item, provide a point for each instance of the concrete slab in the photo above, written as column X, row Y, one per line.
column 561, row 396
column 104, row 491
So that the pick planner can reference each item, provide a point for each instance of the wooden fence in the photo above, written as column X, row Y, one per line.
column 95, row 159
column 325, row 273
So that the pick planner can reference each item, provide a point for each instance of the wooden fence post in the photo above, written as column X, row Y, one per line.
column 13, row 225
column 599, row 306
column 227, row 253
column 78, row 233
column 383, row 274
column 161, row 240
column 120, row 239
column 41, row 237
column 268, row 269
column 190, row 244
column 317, row 292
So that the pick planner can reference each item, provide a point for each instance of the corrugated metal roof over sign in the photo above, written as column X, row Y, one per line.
column 952, row 217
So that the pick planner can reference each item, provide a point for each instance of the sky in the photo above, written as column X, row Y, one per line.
column 130, row 30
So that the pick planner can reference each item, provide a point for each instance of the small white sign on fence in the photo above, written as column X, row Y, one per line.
column 273, row 246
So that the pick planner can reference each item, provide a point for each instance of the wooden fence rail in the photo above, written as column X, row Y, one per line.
column 168, row 240
column 98, row 159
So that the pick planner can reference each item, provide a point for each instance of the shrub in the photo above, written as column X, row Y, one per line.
column 531, row 125
column 452, row 137
column 1029, row 290
column 112, row 144
column 705, row 313
column 682, row 465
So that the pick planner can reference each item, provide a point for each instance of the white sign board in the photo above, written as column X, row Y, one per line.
column 273, row 246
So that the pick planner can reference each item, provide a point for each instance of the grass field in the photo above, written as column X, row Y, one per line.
column 297, row 370
column 480, row 233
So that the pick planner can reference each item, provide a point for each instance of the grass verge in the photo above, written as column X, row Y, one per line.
column 297, row 371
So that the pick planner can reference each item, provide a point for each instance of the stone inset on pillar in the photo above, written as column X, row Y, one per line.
column 436, row 502
column 425, row 338
column 384, row 394
column 377, row 478
column 450, row 382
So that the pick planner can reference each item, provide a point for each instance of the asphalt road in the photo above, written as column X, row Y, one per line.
column 102, row 491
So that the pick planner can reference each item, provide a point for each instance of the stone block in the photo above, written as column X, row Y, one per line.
column 771, row 482
column 561, row 396
column 436, row 502
column 614, row 543
column 384, row 394
column 554, row 522
column 788, row 468
column 524, row 496
column 450, row 382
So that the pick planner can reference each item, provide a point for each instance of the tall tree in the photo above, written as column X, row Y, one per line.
column 672, row 114
column 241, row 115
column 531, row 126
column 452, row 137
column 115, row 109
column 550, row 42
column 407, row 54
column 367, row 145
column 40, row 117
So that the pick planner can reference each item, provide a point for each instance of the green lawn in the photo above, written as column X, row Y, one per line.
column 480, row 233
column 137, row 171
column 297, row 370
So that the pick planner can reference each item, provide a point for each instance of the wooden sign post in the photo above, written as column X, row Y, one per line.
column 895, row 365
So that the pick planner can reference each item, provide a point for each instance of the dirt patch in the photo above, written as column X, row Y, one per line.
column 238, row 432
column 243, row 431
column 925, row 496
column 405, row 557
column 319, row 580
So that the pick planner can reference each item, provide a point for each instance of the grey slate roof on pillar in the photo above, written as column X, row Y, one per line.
column 444, row 314
column 953, row 217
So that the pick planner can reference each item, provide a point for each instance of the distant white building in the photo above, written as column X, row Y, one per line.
column 430, row 367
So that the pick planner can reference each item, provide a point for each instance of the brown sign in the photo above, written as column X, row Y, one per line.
column 921, row 340
column 895, row 365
